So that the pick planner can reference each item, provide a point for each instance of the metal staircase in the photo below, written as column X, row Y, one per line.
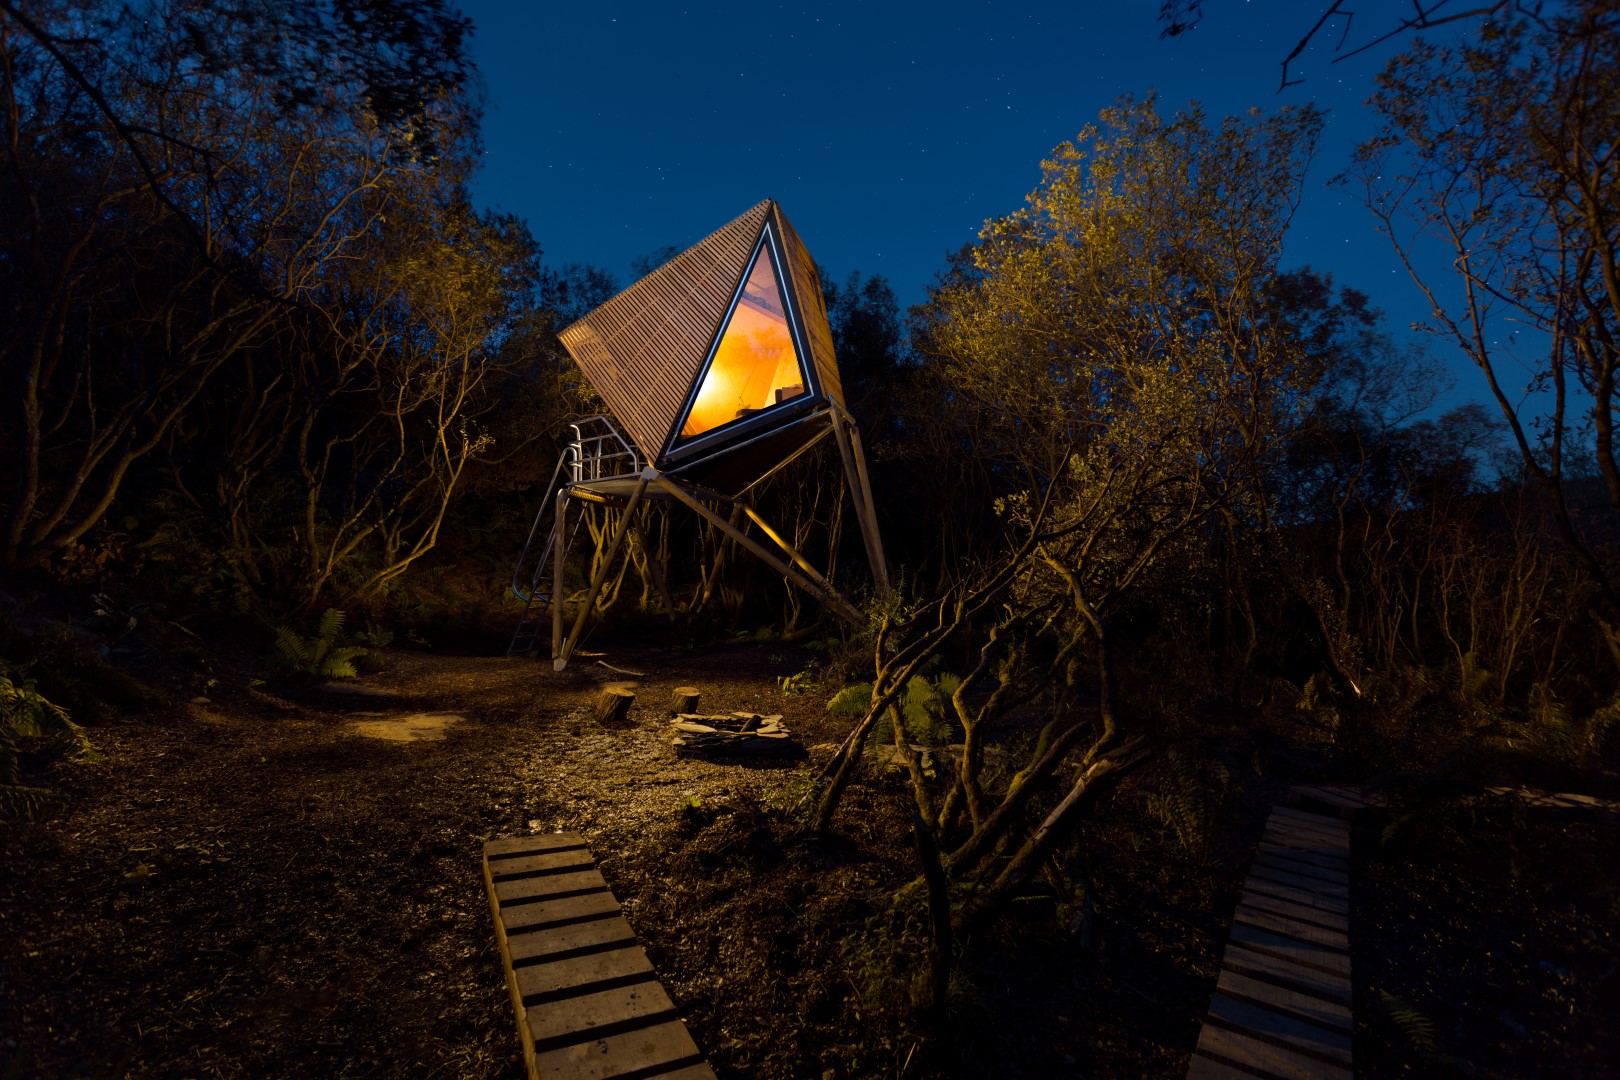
column 597, row 452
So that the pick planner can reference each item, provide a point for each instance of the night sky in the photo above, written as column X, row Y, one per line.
column 888, row 132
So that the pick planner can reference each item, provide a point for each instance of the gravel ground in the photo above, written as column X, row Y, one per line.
column 284, row 882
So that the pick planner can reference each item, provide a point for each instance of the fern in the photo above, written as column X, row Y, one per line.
column 924, row 709
column 1473, row 679
column 321, row 656
column 851, row 702
column 375, row 637
column 1555, row 736
column 1414, row 1025
column 1187, row 805
column 34, row 727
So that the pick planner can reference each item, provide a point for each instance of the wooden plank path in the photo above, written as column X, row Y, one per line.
column 1335, row 800
column 1549, row 800
column 589, row 1005
column 1282, row 1004
column 1350, row 803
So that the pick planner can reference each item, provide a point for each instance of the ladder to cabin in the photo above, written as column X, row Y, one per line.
column 598, row 452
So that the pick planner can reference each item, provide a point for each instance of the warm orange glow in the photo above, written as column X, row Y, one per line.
column 755, row 366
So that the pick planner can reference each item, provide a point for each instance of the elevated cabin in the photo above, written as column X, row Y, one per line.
column 718, row 369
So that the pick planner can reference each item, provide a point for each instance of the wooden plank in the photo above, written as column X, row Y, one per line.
column 1318, row 984
column 1287, row 832
column 1292, row 811
column 1358, row 797
column 1332, row 1014
column 1262, row 877
column 551, row 862
column 596, row 935
column 1305, row 898
column 1325, row 859
column 562, row 978
column 1563, row 800
column 1277, row 859
column 1294, row 928
column 1338, row 840
column 1344, row 803
column 1324, row 855
column 1274, row 1026
column 1328, row 920
column 1335, row 850
column 641, row 1052
column 509, row 846
column 1308, row 953
column 1265, row 1058
column 1207, row 1068
column 1334, row 836
column 552, row 885
column 1305, row 819
column 1327, row 855
column 538, row 914
column 572, row 1020
column 1334, row 795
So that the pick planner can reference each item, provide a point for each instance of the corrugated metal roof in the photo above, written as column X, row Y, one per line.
column 644, row 349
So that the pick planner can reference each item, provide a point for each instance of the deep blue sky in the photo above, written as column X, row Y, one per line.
column 889, row 132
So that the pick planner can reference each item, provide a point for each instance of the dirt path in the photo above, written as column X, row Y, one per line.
column 285, row 882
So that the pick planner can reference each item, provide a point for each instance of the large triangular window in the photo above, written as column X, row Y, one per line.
column 756, row 365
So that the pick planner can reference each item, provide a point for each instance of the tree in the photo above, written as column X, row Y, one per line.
column 163, row 212
column 1502, row 155
column 1118, row 352
column 1179, row 17
column 1119, row 348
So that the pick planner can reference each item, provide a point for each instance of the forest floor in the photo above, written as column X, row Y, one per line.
column 284, row 881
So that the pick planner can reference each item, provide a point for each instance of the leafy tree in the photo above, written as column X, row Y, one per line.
column 1119, row 347
column 1118, row 352
column 163, row 214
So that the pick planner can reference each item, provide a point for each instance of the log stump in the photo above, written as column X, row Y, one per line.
column 684, row 699
column 613, row 705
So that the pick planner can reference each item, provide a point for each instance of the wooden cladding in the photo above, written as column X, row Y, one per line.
column 805, row 281
column 645, row 349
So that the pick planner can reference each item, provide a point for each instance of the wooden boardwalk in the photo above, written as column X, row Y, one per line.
column 588, row 1003
column 1552, row 800
column 1282, row 1003
column 1334, row 800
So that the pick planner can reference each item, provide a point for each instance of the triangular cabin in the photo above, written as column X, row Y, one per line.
column 724, row 346
column 719, row 368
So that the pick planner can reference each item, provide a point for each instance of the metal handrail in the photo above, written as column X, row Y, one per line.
column 603, row 454
column 517, row 571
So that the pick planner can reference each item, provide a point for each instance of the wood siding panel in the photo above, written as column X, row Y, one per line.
column 643, row 349
column 805, row 281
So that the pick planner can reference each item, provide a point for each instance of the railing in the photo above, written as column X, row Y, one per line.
column 600, row 452
column 600, row 455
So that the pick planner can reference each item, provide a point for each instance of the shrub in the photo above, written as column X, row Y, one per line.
column 32, row 730
column 321, row 656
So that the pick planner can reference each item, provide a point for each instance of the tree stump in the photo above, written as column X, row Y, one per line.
column 684, row 699
column 613, row 705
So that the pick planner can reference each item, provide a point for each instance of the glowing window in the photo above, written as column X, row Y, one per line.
column 755, row 366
